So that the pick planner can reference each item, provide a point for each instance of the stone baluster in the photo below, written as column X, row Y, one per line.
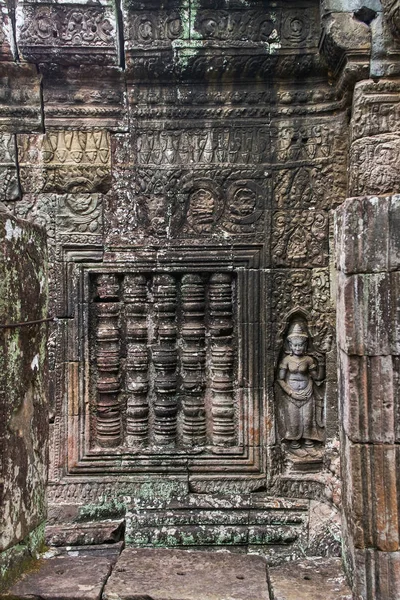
column 221, row 334
column 164, row 354
column 193, row 360
column 137, row 359
column 108, row 409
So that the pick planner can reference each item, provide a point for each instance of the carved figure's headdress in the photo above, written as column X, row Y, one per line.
column 297, row 331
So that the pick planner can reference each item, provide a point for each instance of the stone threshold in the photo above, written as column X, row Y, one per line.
column 109, row 572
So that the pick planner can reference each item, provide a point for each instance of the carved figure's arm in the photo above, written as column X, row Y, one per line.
column 281, row 380
column 317, row 371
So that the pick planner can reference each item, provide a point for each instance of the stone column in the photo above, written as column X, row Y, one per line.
column 24, row 419
column 368, row 308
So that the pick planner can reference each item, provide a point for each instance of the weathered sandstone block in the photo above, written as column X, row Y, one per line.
column 23, row 391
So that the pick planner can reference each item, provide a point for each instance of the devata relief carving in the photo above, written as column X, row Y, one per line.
column 301, row 374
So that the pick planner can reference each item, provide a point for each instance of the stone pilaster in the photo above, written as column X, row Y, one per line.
column 24, row 427
column 368, row 325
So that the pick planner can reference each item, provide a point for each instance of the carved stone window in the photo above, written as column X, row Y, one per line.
column 170, row 367
column 164, row 359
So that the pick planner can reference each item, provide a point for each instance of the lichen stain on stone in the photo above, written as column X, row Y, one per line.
column 23, row 402
column 35, row 363
column 21, row 420
column 13, row 231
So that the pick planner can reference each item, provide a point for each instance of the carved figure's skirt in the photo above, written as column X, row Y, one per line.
column 301, row 420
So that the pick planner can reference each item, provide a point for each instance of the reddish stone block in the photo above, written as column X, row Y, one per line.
column 370, row 398
column 64, row 578
column 376, row 575
column 362, row 235
column 366, row 232
column 159, row 573
column 79, row 534
column 368, row 309
column 316, row 578
column 370, row 495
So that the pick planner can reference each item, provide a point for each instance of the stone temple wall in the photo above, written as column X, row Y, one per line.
column 366, row 239
column 23, row 392
column 186, row 159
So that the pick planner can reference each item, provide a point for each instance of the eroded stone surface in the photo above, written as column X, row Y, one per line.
column 311, row 579
column 63, row 578
column 23, row 386
column 77, row 534
column 187, row 195
column 183, row 575
column 367, row 243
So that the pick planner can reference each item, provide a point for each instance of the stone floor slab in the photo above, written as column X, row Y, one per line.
column 80, row 534
column 309, row 579
column 63, row 578
column 109, row 551
column 158, row 574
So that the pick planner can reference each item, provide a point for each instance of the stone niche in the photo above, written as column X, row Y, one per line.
column 186, row 177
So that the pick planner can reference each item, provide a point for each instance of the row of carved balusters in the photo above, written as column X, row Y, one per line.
column 137, row 359
column 108, row 411
column 221, row 330
column 165, row 359
column 168, row 344
column 193, row 360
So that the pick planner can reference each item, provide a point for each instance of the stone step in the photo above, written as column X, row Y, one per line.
column 313, row 578
column 63, row 577
column 101, row 573
column 91, row 533
column 160, row 574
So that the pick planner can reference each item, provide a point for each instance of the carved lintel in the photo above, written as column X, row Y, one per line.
column 66, row 34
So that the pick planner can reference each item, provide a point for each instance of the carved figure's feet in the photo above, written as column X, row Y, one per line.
column 313, row 451
column 297, row 450
column 294, row 444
